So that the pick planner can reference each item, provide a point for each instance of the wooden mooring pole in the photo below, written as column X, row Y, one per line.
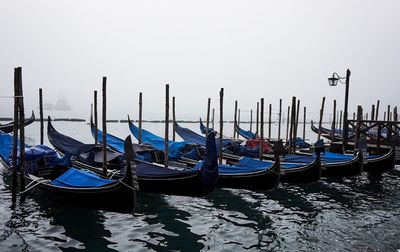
column 287, row 123
column 140, row 117
column 333, row 128
column 166, row 125
column 104, row 119
column 257, row 117
column 15, row 136
column 235, row 120
column 21, row 130
column 251, row 120
column 95, row 119
column 377, row 109
column 321, row 115
column 174, row 118
column 221, row 123
column 280, row 119
column 304, row 123
column 41, row 115
column 269, row 121
column 292, row 124
column 208, row 115
column 262, row 129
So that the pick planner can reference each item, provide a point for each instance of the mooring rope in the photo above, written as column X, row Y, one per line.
column 112, row 173
column 37, row 181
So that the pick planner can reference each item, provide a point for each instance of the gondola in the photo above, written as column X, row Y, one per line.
column 48, row 175
column 242, row 173
column 374, row 163
column 197, row 180
column 292, row 172
column 8, row 128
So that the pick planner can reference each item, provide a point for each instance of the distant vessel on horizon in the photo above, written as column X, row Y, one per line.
column 62, row 105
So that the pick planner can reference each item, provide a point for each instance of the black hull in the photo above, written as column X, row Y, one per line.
column 9, row 127
column 381, row 164
column 183, row 185
column 305, row 174
column 258, row 181
column 118, row 197
column 343, row 169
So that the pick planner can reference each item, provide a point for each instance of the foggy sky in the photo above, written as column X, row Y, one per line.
column 253, row 49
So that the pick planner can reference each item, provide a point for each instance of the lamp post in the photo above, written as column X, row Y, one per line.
column 333, row 81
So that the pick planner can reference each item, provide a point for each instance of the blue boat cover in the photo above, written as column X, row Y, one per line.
column 81, row 179
column 175, row 149
column 247, row 134
column 203, row 128
column 230, row 146
column 32, row 153
column 117, row 144
column 301, row 143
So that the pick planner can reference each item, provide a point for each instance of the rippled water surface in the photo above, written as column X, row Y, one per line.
column 352, row 214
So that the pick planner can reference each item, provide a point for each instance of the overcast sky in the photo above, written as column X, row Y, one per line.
column 253, row 49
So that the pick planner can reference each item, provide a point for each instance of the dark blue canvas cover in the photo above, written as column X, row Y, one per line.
column 81, row 179
column 175, row 149
column 230, row 146
column 247, row 134
column 48, row 156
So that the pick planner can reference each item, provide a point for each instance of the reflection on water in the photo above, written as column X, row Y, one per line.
column 360, row 213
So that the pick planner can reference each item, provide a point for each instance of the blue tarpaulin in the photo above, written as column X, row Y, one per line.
column 175, row 149
column 247, row 134
column 231, row 146
column 81, row 179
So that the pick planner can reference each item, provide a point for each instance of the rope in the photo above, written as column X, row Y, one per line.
column 112, row 173
column 130, row 187
column 38, row 182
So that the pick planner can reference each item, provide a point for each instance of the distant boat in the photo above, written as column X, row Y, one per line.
column 62, row 105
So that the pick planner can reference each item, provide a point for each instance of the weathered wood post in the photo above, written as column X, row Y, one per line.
column 384, row 116
column 15, row 136
column 321, row 115
column 280, row 119
column 340, row 120
column 208, row 115
column 297, row 122
column 262, row 129
column 388, row 113
column 287, row 123
column 292, row 122
column 251, row 120
column 140, row 117
column 358, row 127
column 41, row 115
column 373, row 113
column 221, row 123
column 95, row 118
column 238, row 123
column 377, row 110
column 104, row 89
column 166, row 125
column 235, row 120
column 333, row 133
column 269, row 121
column 257, row 117
column 304, row 123
column 174, row 119
column 21, row 129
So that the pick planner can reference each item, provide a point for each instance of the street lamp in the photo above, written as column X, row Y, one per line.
column 333, row 81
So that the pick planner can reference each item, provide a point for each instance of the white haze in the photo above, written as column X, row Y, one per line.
column 253, row 49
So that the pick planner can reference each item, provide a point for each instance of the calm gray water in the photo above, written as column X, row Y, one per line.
column 355, row 214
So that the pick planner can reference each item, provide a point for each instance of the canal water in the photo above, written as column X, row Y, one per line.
column 350, row 214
